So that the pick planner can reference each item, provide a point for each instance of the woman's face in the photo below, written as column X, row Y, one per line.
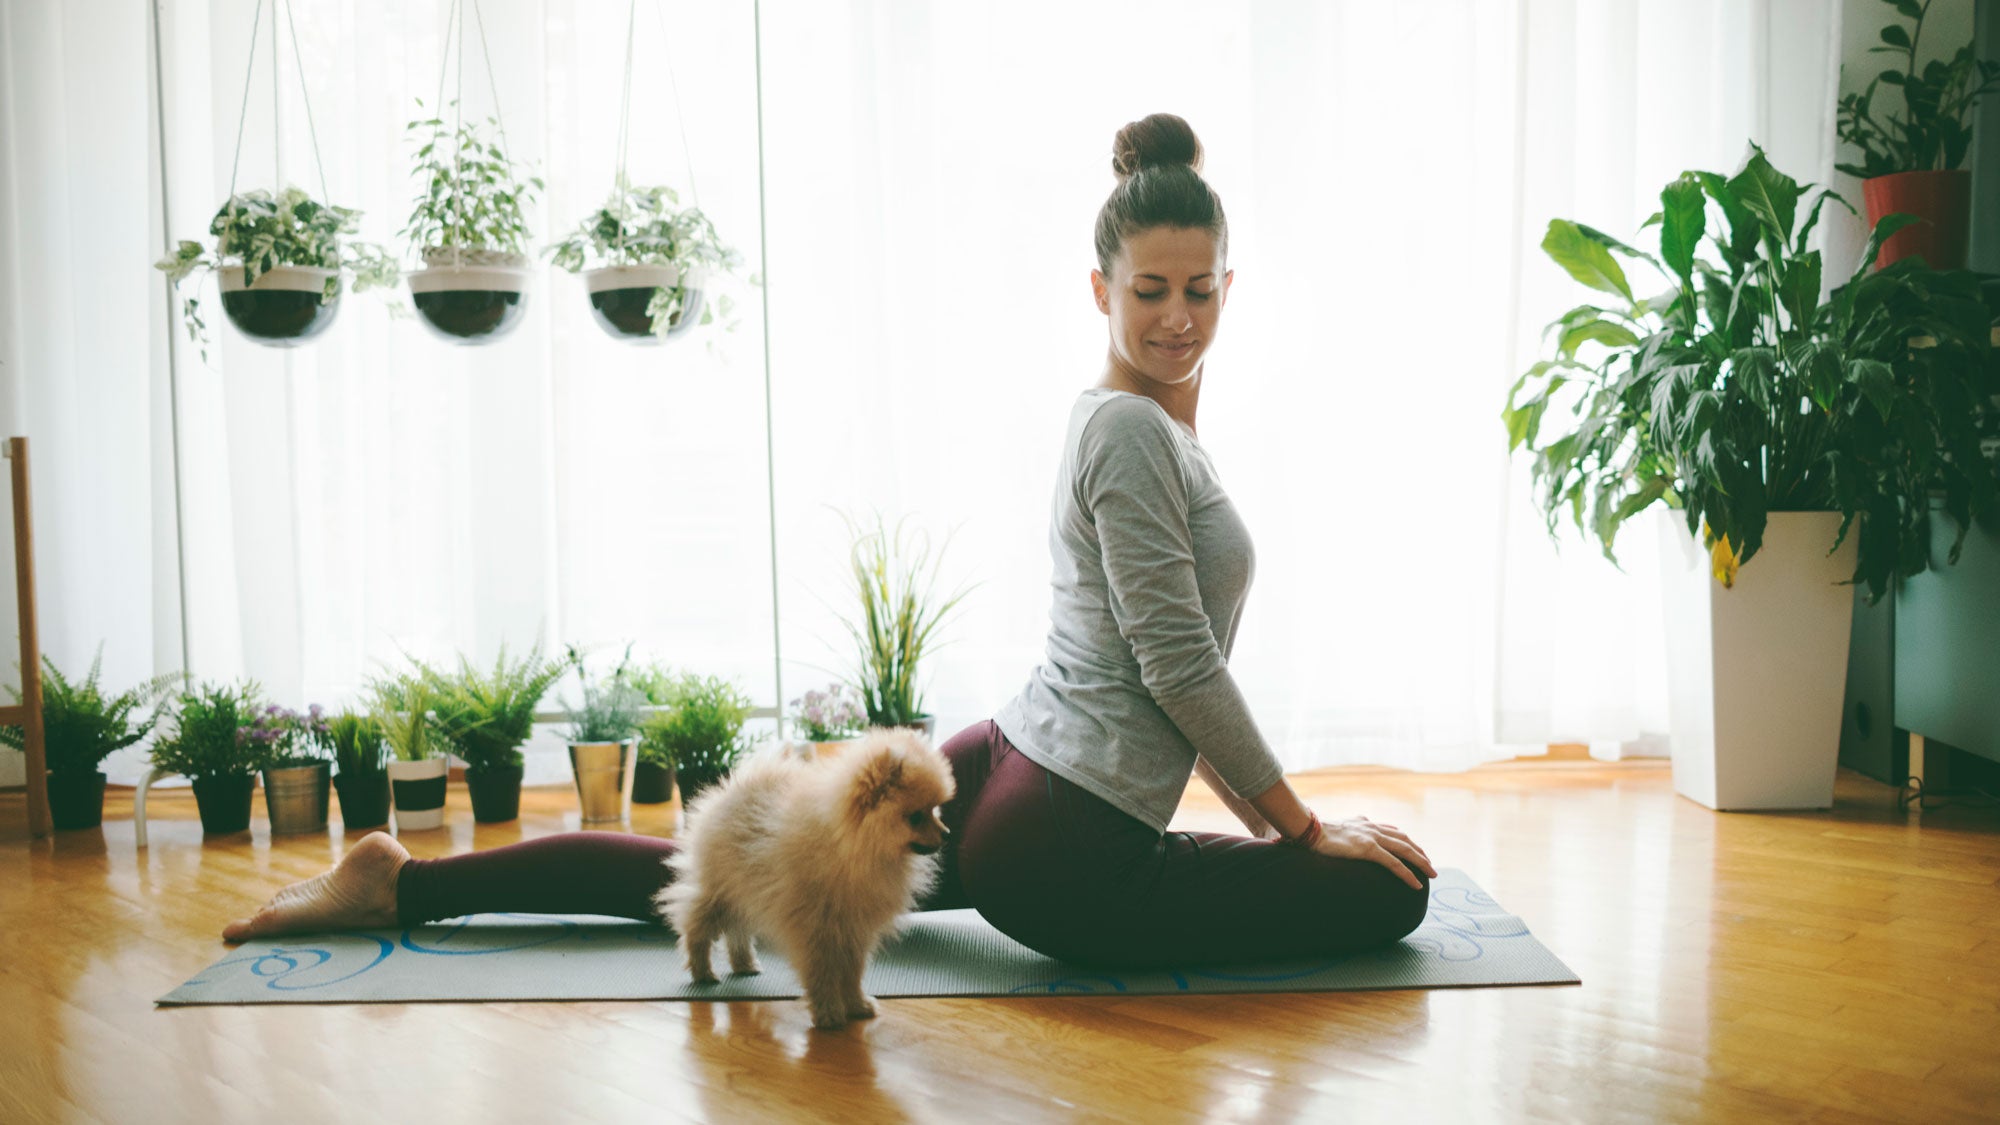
column 1164, row 298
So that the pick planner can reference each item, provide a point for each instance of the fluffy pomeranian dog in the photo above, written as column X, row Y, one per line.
column 813, row 858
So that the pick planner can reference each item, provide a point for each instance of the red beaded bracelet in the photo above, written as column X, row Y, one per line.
column 1308, row 836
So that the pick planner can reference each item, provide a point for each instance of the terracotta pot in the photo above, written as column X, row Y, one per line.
column 76, row 798
column 1942, row 199
column 496, row 793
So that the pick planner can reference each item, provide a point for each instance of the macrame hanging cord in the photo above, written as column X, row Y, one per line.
column 621, row 184
column 455, row 17
column 305, row 99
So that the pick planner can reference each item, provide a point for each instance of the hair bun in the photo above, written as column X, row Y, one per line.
column 1161, row 139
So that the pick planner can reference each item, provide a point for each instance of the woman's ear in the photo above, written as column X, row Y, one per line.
column 1101, row 289
column 1228, row 279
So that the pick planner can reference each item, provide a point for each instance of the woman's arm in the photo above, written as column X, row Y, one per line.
column 1353, row 838
column 1253, row 821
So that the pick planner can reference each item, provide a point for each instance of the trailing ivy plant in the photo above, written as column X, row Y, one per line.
column 1931, row 134
column 81, row 726
column 470, row 195
column 1738, row 391
column 257, row 232
column 646, row 226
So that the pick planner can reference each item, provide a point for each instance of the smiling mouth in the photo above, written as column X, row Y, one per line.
column 1183, row 346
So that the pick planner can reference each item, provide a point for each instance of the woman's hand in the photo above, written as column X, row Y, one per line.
column 1361, row 838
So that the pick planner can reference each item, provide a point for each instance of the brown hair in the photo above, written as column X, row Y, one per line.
column 1158, row 165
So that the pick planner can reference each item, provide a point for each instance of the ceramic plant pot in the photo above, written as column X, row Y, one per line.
column 364, row 800
column 1755, row 671
column 604, row 773
column 619, row 296
column 652, row 785
column 76, row 798
column 471, row 297
column 1943, row 200
column 286, row 307
column 224, row 803
column 496, row 793
column 296, row 797
column 418, row 788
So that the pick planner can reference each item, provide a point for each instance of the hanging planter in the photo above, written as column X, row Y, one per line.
column 468, row 220
column 646, row 304
column 470, row 304
column 284, row 307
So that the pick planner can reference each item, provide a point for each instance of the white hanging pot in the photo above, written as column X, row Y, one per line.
column 620, row 295
column 470, row 296
column 1756, row 671
column 284, row 308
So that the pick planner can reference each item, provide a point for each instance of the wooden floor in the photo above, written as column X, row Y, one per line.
column 1840, row 966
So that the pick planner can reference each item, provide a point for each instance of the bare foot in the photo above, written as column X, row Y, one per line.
column 359, row 893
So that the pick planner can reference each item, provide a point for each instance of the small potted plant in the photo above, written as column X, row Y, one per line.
column 827, row 720
column 80, row 728
column 701, row 731
column 280, row 260
column 363, row 778
column 469, row 227
column 894, row 575
column 603, row 739
column 208, row 748
column 1910, row 161
column 486, row 717
column 653, row 779
column 648, row 264
column 291, row 750
column 418, row 767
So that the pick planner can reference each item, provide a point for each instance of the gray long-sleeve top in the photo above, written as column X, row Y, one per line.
column 1152, row 565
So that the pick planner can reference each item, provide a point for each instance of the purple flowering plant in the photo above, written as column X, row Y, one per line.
column 830, row 715
column 277, row 737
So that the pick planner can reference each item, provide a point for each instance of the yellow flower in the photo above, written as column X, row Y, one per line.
column 1721, row 556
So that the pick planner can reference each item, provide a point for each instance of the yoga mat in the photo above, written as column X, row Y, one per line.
column 1466, row 940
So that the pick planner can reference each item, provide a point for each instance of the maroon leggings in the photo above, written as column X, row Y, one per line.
column 1050, row 865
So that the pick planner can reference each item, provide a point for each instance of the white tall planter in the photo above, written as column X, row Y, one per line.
column 1756, row 672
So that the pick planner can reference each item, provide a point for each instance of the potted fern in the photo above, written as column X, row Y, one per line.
column 894, row 579
column 291, row 750
column 1910, row 161
column 468, row 225
column 280, row 260
column 208, row 748
column 80, row 728
column 486, row 717
column 603, row 739
column 648, row 264
column 418, row 769
column 363, row 778
column 653, row 778
column 1800, row 437
column 700, row 730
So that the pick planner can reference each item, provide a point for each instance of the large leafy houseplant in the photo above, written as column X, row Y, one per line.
column 470, row 195
column 81, row 727
column 1931, row 133
column 641, row 227
column 256, row 232
column 895, row 583
column 1738, row 391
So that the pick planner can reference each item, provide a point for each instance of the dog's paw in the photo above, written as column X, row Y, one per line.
column 746, row 966
column 829, row 1019
column 703, row 976
column 864, row 1010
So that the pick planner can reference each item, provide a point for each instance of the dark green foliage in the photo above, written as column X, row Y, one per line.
column 207, row 741
column 1739, row 392
column 357, row 744
column 1931, row 134
column 471, row 196
column 80, row 727
column 488, row 716
column 699, row 728
column 895, row 579
column 646, row 226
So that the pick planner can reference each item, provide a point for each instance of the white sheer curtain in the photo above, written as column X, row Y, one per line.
column 933, row 170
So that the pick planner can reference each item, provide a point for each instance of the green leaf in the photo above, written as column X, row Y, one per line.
column 1877, row 382
column 1742, row 244
column 1895, row 36
column 1769, row 194
column 1684, row 220
column 1603, row 331
column 1586, row 259
column 1885, row 229
column 1798, row 288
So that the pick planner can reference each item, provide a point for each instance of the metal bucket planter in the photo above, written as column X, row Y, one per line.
column 652, row 785
column 470, row 297
column 286, row 307
column 604, row 773
column 1755, row 671
column 619, row 296
column 419, row 791
column 76, row 798
column 495, row 792
column 224, row 803
column 364, row 800
column 296, row 797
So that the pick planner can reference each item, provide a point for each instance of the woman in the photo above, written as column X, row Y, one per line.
column 1059, row 826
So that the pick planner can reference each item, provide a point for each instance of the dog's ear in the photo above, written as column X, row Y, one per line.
column 878, row 778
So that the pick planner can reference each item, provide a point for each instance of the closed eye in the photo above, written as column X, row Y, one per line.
column 1193, row 295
